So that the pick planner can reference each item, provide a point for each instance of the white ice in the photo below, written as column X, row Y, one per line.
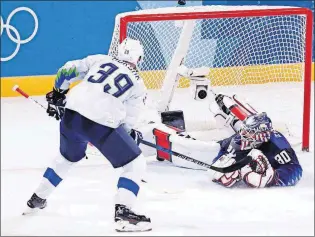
column 179, row 201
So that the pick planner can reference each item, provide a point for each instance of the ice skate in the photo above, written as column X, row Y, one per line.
column 127, row 221
column 34, row 204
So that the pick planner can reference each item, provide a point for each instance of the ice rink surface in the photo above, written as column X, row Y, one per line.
column 179, row 201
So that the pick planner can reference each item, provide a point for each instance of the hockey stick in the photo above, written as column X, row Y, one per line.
column 236, row 166
column 25, row 95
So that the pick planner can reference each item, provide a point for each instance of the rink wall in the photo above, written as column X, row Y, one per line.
column 58, row 38
column 39, row 85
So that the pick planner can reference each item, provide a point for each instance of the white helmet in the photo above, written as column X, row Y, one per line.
column 130, row 50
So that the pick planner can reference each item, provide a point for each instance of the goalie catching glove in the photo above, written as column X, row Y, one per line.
column 56, row 102
column 259, row 173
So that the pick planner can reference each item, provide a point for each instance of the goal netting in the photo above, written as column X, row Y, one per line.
column 261, row 53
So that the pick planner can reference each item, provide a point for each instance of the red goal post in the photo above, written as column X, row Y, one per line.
column 202, row 13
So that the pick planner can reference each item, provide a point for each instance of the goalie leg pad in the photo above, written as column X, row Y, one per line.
column 186, row 145
column 244, row 105
column 229, row 112
column 162, row 139
column 223, row 120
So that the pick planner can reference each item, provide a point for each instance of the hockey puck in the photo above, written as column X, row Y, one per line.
column 159, row 159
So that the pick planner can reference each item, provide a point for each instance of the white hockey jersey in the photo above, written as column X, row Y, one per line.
column 111, row 93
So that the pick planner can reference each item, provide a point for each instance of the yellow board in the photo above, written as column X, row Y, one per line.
column 32, row 85
column 40, row 85
column 242, row 75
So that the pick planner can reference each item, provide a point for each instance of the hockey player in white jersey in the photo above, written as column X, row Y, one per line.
column 101, row 110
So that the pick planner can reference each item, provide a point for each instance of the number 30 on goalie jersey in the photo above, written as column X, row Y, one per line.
column 283, row 159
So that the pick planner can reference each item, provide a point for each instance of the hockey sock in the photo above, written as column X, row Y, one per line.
column 128, row 183
column 53, row 175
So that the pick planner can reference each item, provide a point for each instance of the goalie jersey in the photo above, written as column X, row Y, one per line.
column 115, row 90
column 279, row 152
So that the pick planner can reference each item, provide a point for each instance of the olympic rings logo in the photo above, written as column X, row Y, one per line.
column 10, row 28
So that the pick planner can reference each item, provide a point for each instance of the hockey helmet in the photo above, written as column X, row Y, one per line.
column 256, row 129
column 130, row 50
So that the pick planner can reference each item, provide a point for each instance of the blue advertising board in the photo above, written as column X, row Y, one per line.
column 38, row 37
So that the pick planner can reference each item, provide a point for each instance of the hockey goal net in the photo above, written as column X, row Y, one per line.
column 262, row 53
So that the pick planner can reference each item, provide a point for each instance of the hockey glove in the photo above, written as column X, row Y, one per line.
column 56, row 102
column 136, row 135
column 259, row 173
column 228, row 179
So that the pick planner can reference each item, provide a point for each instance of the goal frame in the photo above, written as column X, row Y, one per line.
column 125, row 20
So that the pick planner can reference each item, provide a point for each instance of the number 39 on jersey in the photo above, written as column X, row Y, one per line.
column 114, row 84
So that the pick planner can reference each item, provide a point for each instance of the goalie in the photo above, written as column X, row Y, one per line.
column 274, row 162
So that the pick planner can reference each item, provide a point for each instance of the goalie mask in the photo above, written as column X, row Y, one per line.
column 131, row 51
column 255, row 130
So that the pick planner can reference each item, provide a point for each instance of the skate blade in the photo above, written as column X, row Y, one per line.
column 125, row 226
column 30, row 211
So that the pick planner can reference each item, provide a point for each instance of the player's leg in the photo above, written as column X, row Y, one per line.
column 227, row 113
column 186, row 145
column 72, row 150
column 128, row 188
column 122, row 151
